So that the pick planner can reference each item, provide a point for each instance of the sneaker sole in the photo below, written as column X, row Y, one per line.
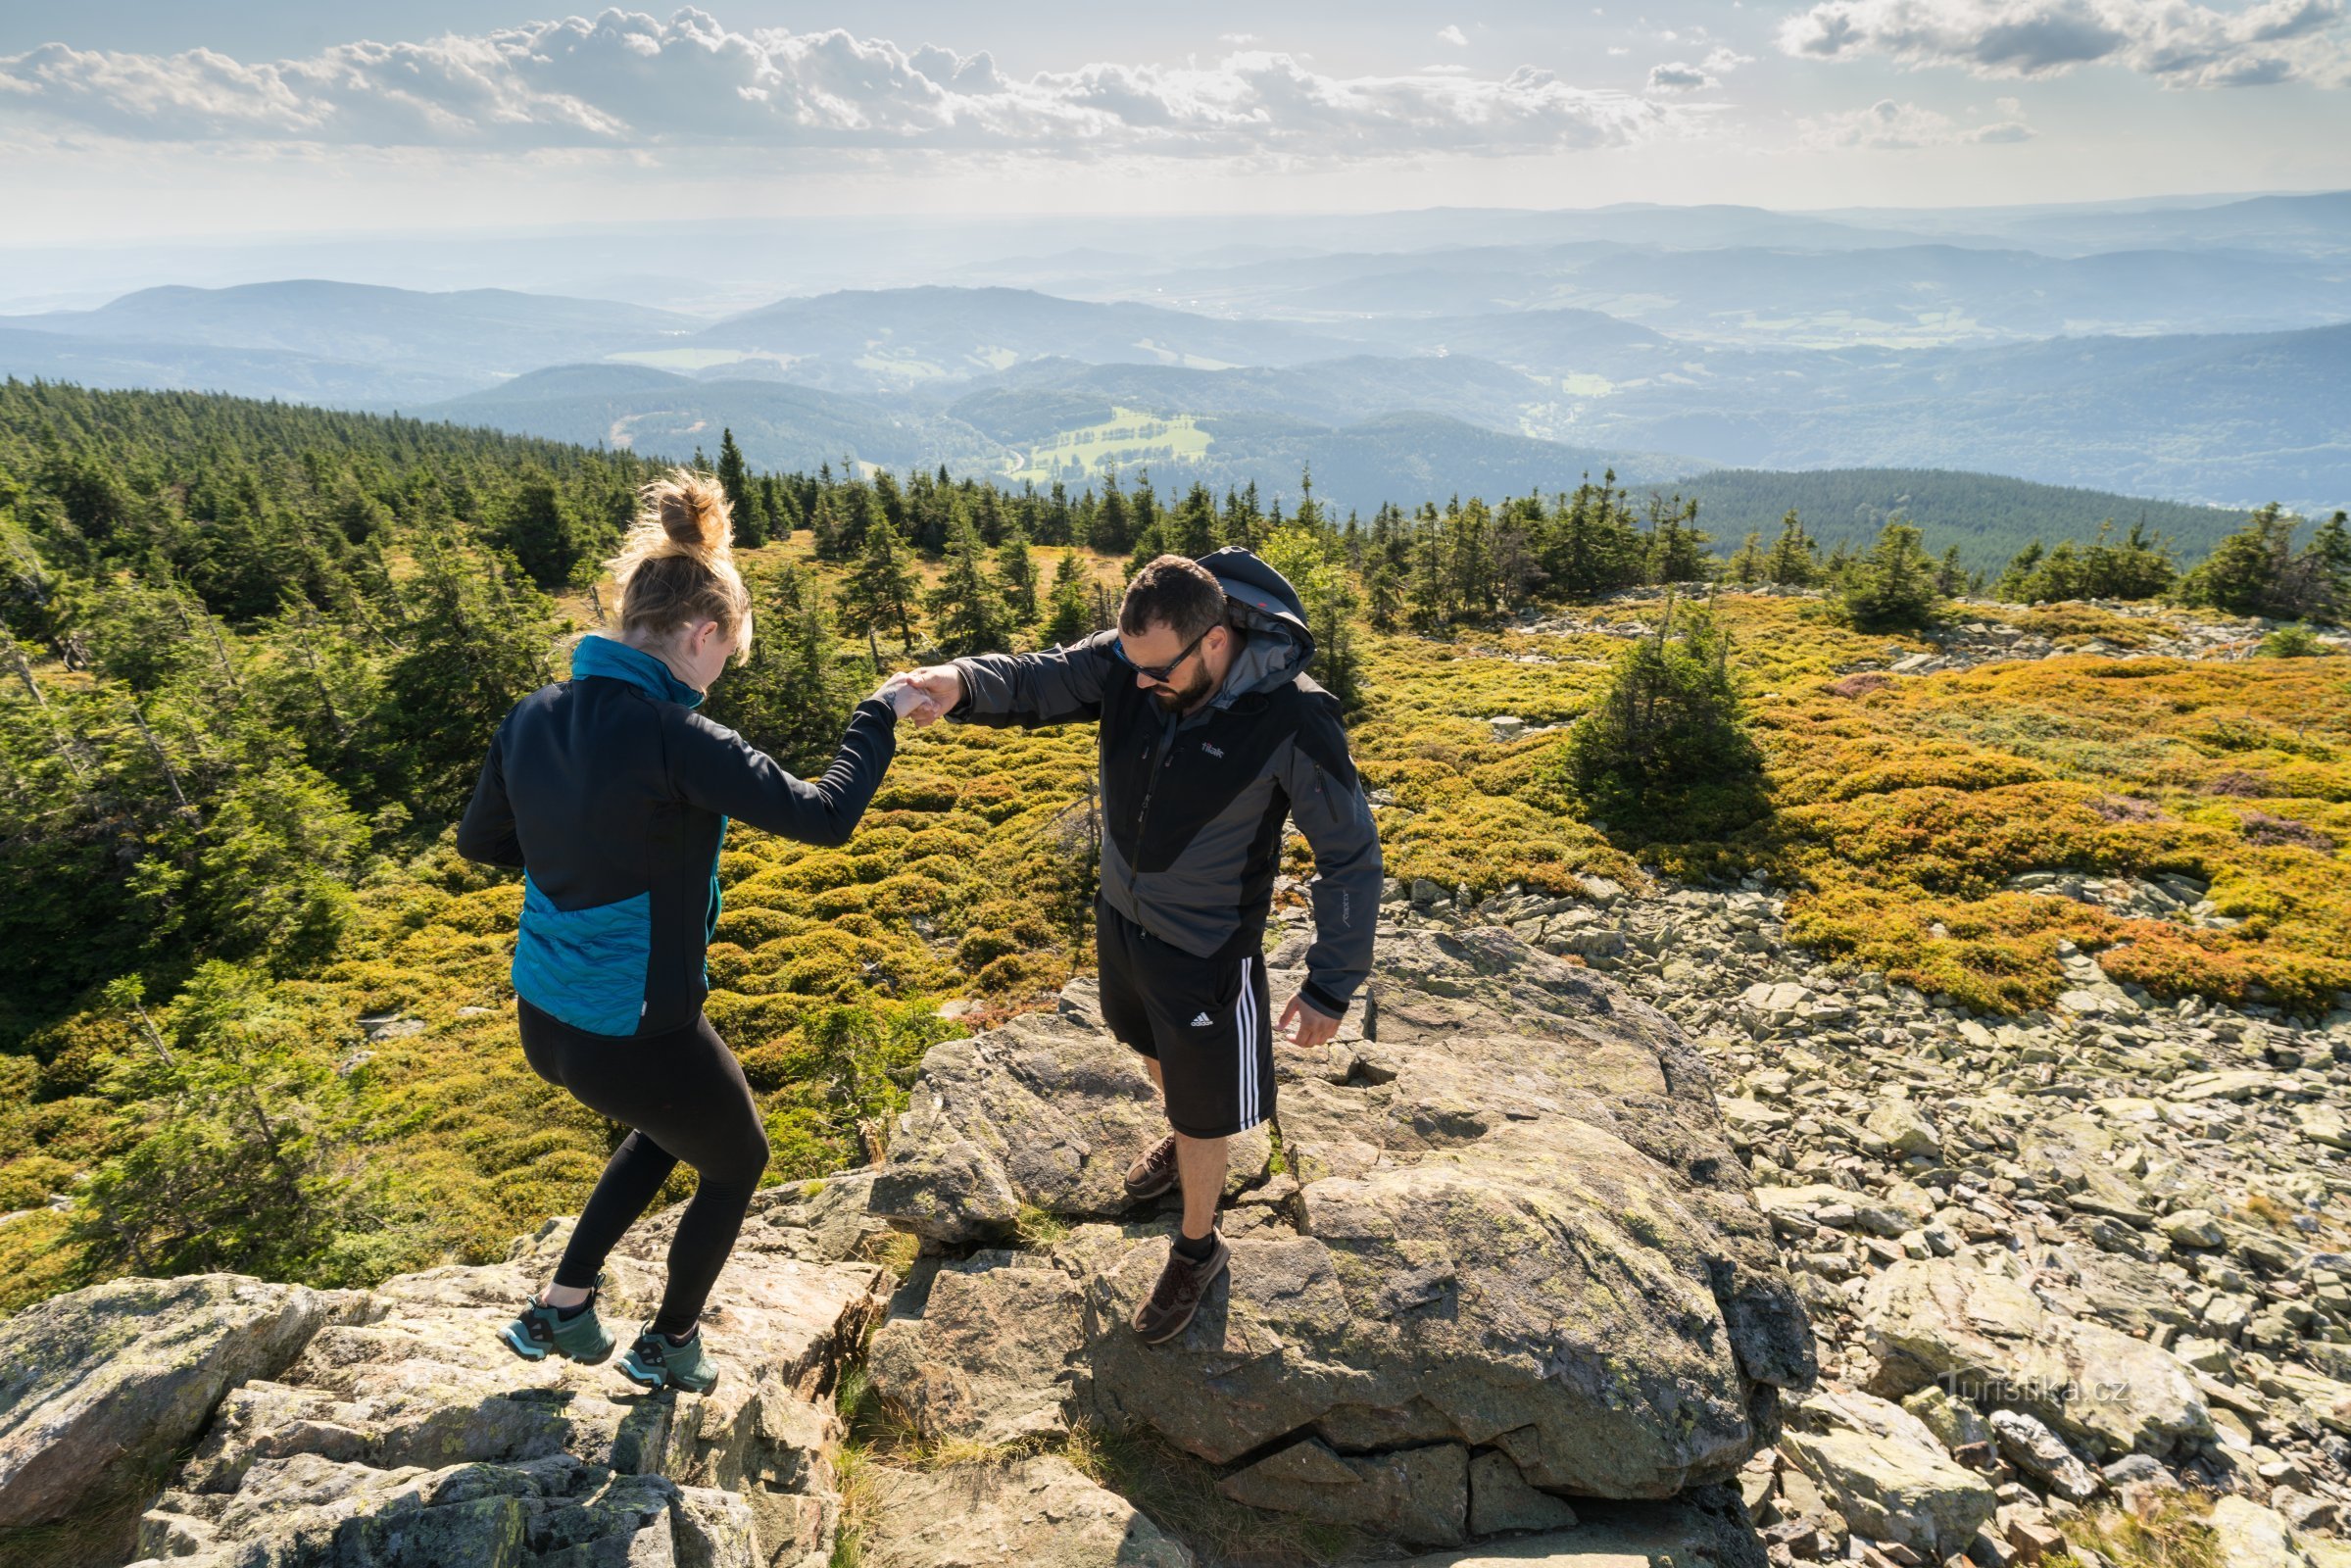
column 528, row 1352
column 1165, row 1335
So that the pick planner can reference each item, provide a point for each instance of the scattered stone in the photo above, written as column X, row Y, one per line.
column 1885, row 1472
column 1939, row 1320
column 2041, row 1455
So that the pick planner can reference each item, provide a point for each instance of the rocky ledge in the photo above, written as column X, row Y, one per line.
column 388, row 1427
column 1502, row 1255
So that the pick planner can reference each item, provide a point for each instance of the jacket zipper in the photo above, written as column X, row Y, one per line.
column 1163, row 748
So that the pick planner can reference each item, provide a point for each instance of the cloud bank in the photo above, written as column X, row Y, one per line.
column 626, row 79
column 2182, row 44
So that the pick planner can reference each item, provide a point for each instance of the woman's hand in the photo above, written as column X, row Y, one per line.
column 935, row 688
column 907, row 699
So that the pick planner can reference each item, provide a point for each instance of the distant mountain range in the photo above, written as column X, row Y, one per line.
column 2192, row 350
column 472, row 335
column 1366, row 461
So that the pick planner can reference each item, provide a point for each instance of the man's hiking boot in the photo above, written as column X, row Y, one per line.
column 542, row 1330
column 1154, row 1171
column 1168, row 1312
column 655, row 1362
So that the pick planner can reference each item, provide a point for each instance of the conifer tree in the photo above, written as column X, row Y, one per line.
column 1070, row 608
column 1664, row 754
column 790, row 697
column 743, row 500
column 968, row 613
column 1894, row 586
column 1017, row 577
column 1794, row 561
column 882, row 589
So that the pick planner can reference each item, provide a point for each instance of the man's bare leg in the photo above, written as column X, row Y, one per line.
column 1200, row 1166
column 1201, row 1163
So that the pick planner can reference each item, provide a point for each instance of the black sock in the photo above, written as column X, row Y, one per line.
column 1198, row 1251
column 681, row 1340
column 564, row 1315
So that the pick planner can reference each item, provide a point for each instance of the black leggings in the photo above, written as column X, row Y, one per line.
column 685, row 1097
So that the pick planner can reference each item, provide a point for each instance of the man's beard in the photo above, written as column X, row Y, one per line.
column 1176, row 700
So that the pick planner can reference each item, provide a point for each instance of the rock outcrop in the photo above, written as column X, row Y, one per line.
column 404, row 1434
column 1503, row 1252
column 101, row 1385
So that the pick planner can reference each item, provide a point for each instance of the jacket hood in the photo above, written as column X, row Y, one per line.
column 1261, row 603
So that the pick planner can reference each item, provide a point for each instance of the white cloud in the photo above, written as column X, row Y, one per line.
column 1452, row 35
column 1891, row 126
column 2180, row 42
column 1676, row 75
column 1724, row 60
column 627, row 80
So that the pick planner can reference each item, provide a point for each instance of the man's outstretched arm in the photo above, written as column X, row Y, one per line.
column 1053, row 687
column 1328, row 804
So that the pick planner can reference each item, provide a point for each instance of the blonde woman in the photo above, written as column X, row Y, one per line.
column 612, row 795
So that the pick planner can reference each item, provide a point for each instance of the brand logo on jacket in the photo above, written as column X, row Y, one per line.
column 1211, row 749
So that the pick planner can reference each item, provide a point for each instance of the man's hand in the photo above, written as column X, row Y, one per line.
column 906, row 698
column 942, row 688
column 1316, row 1027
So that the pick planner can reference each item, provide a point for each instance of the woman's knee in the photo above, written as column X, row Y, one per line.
column 743, row 1161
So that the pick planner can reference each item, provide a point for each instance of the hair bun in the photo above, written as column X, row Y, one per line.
column 692, row 513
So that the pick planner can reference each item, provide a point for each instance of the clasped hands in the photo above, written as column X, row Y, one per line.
column 923, row 695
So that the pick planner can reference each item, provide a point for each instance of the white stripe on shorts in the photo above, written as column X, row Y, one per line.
column 1246, row 1017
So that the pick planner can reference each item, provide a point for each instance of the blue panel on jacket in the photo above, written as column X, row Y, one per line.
column 585, row 966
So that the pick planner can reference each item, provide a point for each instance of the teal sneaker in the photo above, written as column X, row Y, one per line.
column 541, row 1332
column 653, row 1362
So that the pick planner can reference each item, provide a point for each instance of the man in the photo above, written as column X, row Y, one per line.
column 1210, row 734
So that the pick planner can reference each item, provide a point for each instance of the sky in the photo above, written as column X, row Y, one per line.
column 146, row 119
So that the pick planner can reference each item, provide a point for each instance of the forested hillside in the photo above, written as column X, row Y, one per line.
column 256, row 1012
column 1988, row 518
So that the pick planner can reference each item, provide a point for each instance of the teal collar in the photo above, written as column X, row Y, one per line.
column 609, row 657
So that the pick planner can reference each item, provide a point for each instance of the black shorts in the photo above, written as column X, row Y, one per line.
column 1203, row 1019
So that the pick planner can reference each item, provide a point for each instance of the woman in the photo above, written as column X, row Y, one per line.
column 613, row 795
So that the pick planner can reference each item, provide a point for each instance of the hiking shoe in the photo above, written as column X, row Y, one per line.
column 653, row 1362
column 541, row 1332
column 1168, row 1312
column 1154, row 1171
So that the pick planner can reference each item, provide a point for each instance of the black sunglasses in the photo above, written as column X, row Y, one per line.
column 1158, row 672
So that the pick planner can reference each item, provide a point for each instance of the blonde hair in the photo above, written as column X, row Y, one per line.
column 676, row 566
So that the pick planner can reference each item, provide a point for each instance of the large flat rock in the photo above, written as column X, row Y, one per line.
column 1513, row 1224
column 101, row 1385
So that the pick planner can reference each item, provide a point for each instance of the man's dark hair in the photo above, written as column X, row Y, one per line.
column 1172, row 591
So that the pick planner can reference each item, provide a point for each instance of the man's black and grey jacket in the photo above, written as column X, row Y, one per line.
column 1192, row 807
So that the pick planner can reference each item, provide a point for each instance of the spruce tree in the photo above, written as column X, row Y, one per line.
column 1017, row 577
column 742, row 499
column 1070, row 608
column 1894, row 586
column 880, row 592
column 968, row 613
column 1794, row 561
column 790, row 697
column 537, row 529
column 2246, row 572
column 1664, row 754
